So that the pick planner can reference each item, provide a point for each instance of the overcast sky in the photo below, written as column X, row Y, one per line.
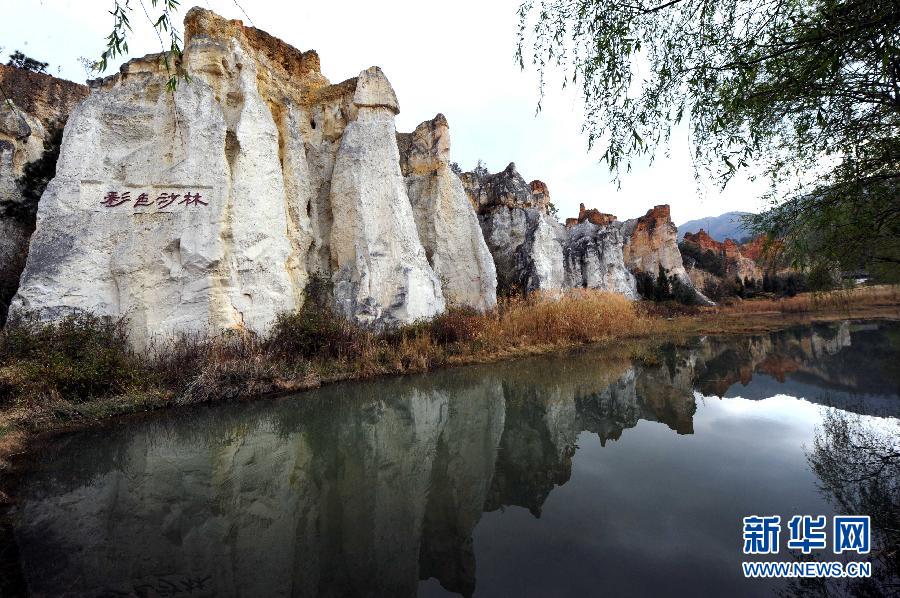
column 451, row 57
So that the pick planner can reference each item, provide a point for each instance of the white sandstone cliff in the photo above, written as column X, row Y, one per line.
column 445, row 219
column 210, row 208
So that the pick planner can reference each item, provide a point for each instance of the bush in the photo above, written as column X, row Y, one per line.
column 312, row 332
column 682, row 293
column 715, row 289
column 81, row 356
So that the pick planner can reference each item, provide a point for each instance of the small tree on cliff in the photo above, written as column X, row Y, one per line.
column 807, row 91
column 662, row 290
column 19, row 60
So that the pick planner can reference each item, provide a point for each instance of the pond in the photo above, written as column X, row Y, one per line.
column 566, row 475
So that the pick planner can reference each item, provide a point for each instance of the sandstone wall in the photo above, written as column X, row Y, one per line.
column 211, row 207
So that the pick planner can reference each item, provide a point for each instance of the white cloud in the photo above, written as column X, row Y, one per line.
column 453, row 57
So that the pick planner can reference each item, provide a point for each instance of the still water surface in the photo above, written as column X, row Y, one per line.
column 569, row 475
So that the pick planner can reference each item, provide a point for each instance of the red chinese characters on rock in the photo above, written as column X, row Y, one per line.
column 164, row 200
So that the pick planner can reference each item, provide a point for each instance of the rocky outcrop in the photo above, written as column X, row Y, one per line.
column 210, row 208
column 35, row 105
column 593, row 259
column 739, row 260
column 533, row 251
column 651, row 244
column 594, row 216
column 524, row 239
column 382, row 273
column 445, row 218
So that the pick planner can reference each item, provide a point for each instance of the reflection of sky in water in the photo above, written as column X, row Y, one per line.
column 372, row 485
column 764, row 386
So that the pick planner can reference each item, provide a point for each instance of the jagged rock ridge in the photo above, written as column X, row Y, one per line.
column 532, row 250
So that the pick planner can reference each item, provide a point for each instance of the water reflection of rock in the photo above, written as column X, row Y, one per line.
column 326, row 496
column 834, row 359
column 353, row 490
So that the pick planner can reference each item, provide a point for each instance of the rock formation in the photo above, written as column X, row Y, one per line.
column 532, row 250
column 594, row 216
column 651, row 243
column 740, row 260
column 594, row 259
column 525, row 241
column 35, row 105
column 382, row 274
column 445, row 218
column 211, row 207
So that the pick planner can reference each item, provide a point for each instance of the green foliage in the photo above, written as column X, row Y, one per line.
column 715, row 289
column 806, row 91
column 706, row 260
column 682, row 293
column 19, row 60
column 664, row 288
column 80, row 357
column 821, row 278
column 163, row 25
column 314, row 329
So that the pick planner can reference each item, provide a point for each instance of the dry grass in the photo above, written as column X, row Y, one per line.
column 313, row 346
column 839, row 300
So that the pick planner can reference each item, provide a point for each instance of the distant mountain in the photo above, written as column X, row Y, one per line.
column 725, row 226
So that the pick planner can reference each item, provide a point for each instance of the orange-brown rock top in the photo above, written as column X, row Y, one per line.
column 283, row 72
column 702, row 239
column 539, row 191
column 760, row 247
column 755, row 249
column 593, row 215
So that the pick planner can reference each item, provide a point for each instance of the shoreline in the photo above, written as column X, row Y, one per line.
column 24, row 429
